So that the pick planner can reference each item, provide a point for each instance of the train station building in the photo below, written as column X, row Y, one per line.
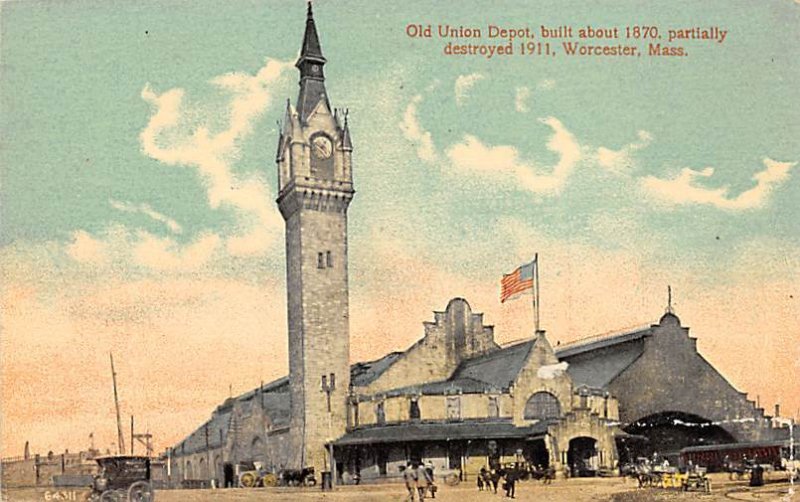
column 455, row 398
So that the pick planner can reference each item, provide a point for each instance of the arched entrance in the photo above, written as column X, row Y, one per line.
column 665, row 434
column 537, row 454
column 583, row 458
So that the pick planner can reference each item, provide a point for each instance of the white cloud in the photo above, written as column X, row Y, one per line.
column 176, row 136
column 148, row 211
column 521, row 99
column 464, row 84
column 504, row 162
column 620, row 160
column 165, row 254
column 116, row 247
column 413, row 131
column 683, row 189
column 86, row 249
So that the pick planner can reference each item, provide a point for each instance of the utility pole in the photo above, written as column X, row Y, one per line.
column 120, row 436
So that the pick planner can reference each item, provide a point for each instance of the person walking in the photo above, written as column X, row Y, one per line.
column 422, row 480
column 430, row 479
column 481, row 477
column 510, row 483
column 410, row 478
column 494, row 476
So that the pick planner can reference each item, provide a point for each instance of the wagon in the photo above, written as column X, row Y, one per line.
column 122, row 479
column 696, row 480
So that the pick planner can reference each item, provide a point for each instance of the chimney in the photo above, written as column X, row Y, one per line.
column 777, row 410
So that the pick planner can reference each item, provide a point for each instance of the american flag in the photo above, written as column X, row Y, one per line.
column 517, row 281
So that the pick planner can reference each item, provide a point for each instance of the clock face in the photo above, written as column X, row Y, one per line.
column 321, row 147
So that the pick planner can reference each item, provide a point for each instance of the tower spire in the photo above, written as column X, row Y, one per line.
column 311, row 48
column 310, row 63
column 669, row 299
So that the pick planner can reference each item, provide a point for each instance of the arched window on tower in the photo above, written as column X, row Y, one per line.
column 542, row 406
column 494, row 407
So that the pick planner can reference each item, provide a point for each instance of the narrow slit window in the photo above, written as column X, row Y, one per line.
column 320, row 260
column 329, row 259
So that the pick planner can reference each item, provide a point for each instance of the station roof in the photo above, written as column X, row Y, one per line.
column 440, row 431
column 596, row 361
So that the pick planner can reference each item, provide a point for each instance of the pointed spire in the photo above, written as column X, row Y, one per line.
column 347, row 143
column 311, row 48
column 312, row 77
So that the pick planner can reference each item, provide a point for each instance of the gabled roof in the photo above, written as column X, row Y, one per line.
column 601, row 341
column 494, row 371
column 364, row 373
column 498, row 368
column 596, row 361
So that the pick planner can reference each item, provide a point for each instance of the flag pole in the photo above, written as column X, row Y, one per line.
column 536, row 291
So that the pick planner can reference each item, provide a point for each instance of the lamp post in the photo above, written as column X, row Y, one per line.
column 328, row 386
column 791, row 466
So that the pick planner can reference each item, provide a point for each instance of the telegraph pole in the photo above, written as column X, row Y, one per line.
column 120, row 436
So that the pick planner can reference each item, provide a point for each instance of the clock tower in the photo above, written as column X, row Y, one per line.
column 315, row 188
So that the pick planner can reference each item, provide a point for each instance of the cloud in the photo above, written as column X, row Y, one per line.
column 464, row 84
column 620, row 160
column 148, row 211
column 521, row 99
column 413, row 131
column 684, row 190
column 117, row 248
column 176, row 135
column 86, row 249
column 503, row 162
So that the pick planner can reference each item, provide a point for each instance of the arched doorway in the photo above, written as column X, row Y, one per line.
column 583, row 458
column 218, row 474
column 665, row 434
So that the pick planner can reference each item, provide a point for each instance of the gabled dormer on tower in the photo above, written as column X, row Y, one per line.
column 314, row 148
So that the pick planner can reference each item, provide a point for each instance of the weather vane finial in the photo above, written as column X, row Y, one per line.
column 669, row 299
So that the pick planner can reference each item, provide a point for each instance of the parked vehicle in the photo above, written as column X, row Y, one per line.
column 122, row 479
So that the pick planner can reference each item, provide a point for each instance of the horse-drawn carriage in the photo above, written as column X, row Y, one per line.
column 122, row 479
column 696, row 479
column 665, row 476
column 253, row 474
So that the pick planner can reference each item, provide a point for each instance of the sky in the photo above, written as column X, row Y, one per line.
column 137, row 210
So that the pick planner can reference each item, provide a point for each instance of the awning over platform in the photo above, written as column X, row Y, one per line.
column 440, row 431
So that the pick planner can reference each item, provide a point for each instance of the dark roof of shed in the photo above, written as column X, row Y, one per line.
column 592, row 343
column 443, row 431
column 449, row 386
column 596, row 361
column 494, row 371
column 498, row 368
